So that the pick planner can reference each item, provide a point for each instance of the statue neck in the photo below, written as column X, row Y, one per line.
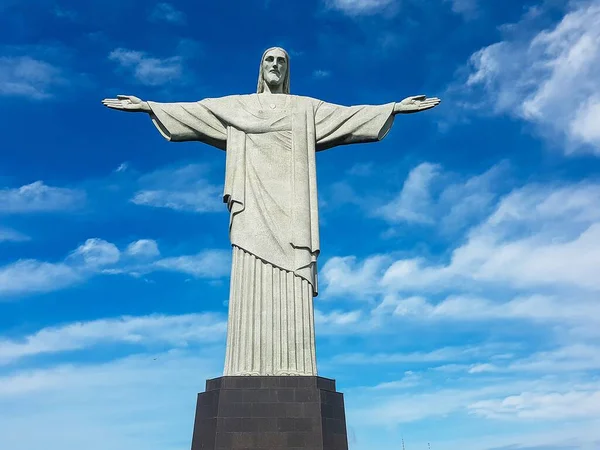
column 273, row 89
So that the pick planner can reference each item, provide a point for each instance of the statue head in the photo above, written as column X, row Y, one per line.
column 274, row 71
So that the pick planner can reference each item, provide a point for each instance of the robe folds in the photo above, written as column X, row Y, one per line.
column 271, row 193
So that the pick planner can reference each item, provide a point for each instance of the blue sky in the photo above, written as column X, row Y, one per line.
column 460, row 256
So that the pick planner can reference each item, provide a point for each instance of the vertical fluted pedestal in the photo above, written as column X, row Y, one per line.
column 270, row 412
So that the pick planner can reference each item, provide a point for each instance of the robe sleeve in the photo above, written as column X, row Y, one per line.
column 340, row 125
column 194, row 121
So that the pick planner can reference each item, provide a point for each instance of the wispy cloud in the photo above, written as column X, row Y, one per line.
column 576, row 311
column 29, row 276
column 183, row 189
column 345, row 274
column 413, row 204
column 208, row 264
column 335, row 318
column 10, row 235
column 549, row 79
column 320, row 73
column 147, row 69
column 581, row 403
column 37, row 197
column 122, row 167
column 566, row 359
column 467, row 8
column 25, row 76
column 430, row 196
column 438, row 355
column 361, row 169
column 493, row 401
column 166, row 12
column 361, row 7
column 97, row 256
column 176, row 331
column 107, row 404
column 66, row 14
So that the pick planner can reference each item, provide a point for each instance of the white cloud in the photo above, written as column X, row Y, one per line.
column 583, row 403
column 361, row 7
column 533, row 427
column 182, row 189
column 24, row 76
column 97, row 256
column 176, row 331
column 146, row 69
column 438, row 355
column 550, row 79
column 342, row 275
column 575, row 311
column 499, row 398
column 466, row 8
column 529, row 266
column 388, row 410
column 25, row 383
column 29, row 276
column 581, row 435
column 414, row 203
column 97, row 252
column 431, row 196
column 570, row 359
column 337, row 317
column 166, row 12
column 37, row 197
column 206, row 264
column 122, row 167
column 146, row 400
column 201, row 199
column 320, row 73
column 7, row 234
column 361, row 169
column 409, row 380
column 537, row 236
column 67, row 14
column 338, row 322
column 144, row 248
column 109, row 405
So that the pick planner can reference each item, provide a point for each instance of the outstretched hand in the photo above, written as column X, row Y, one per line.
column 415, row 104
column 127, row 103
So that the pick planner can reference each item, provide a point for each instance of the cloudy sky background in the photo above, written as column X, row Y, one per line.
column 460, row 263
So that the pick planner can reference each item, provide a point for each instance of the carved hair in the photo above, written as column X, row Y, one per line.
column 286, row 80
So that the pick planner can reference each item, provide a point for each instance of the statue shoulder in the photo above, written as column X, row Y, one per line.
column 225, row 101
column 305, row 99
column 225, row 98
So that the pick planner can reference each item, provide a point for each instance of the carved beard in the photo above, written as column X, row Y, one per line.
column 272, row 79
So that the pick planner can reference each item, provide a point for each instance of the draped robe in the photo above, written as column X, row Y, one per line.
column 271, row 193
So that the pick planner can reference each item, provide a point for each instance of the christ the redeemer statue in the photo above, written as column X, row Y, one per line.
column 270, row 139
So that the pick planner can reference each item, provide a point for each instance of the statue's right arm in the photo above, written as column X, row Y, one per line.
column 177, row 122
column 127, row 103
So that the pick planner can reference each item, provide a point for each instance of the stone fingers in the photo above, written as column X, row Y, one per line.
column 116, row 104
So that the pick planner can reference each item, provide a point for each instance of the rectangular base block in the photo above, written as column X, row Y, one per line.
column 274, row 413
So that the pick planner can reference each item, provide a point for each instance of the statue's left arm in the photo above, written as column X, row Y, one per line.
column 340, row 125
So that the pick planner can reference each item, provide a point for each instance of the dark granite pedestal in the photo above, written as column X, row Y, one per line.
column 274, row 413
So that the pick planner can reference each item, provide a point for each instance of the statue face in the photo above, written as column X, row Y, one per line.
column 274, row 67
